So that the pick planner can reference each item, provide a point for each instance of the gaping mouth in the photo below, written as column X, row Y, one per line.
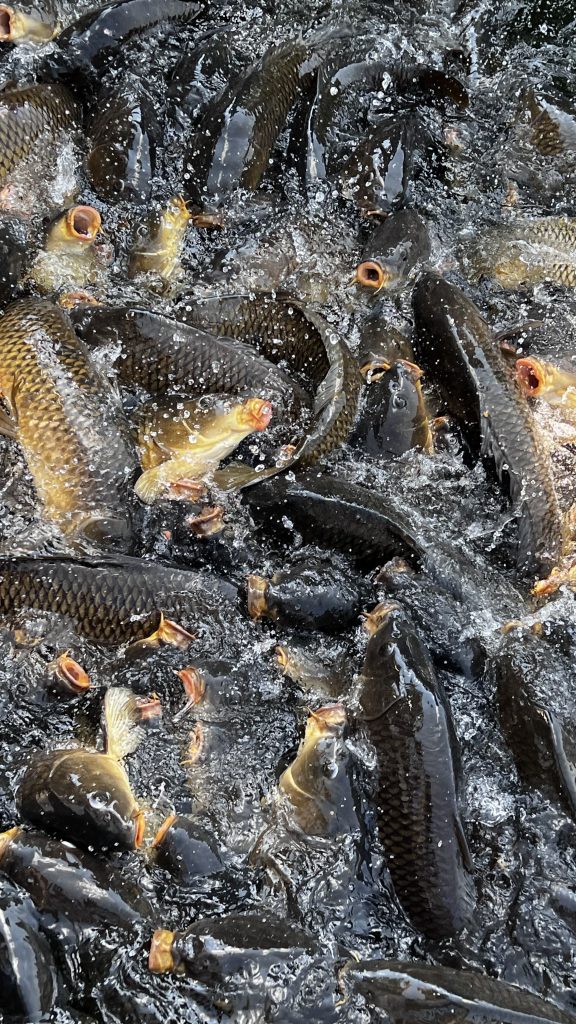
column 257, row 591
column 529, row 376
column 83, row 223
column 6, row 28
column 72, row 674
column 370, row 274
column 378, row 616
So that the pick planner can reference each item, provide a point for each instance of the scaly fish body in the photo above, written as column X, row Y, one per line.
column 456, row 349
column 283, row 329
column 419, row 993
column 553, row 131
column 187, row 442
column 408, row 721
column 124, row 137
column 69, row 423
column 527, row 252
column 28, row 114
column 235, row 137
column 166, row 357
column 114, row 602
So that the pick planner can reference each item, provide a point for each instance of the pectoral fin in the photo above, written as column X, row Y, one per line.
column 121, row 715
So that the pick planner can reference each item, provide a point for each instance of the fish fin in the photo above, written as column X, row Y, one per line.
column 328, row 388
column 237, row 475
column 463, row 844
column 564, row 749
column 123, row 734
column 150, row 486
column 8, row 425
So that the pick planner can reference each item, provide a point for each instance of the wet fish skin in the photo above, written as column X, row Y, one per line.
column 202, row 73
column 243, row 123
column 380, row 342
column 158, row 253
column 539, row 379
column 312, row 674
column 309, row 594
column 282, row 328
column 17, row 247
column 541, row 740
column 113, row 601
column 407, row 718
column 186, row 850
column 82, row 796
column 417, row 992
column 393, row 418
column 93, row 42
column 27, row 114
column 69, row 422
column 166, row 357
column 378, row 175
column 316, row 783
column 69, row 259
column 525, row 252
column 28, row 974
column 395, row 247
column 553, row 130
column 456, row 349
column 123, row 141
column 69, row 882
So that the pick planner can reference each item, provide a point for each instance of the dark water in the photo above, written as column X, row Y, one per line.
column 252, row 719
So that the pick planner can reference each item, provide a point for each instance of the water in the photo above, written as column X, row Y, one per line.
column 308, row 243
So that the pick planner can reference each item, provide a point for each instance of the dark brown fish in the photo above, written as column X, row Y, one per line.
column 408, row 720
column 27, row 115
column 456, row 348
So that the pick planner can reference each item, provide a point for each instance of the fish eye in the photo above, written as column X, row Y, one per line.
column 398, row 402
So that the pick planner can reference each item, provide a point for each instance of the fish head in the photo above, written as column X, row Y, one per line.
column 380, row 616
column 256, row 413
column 531, row 376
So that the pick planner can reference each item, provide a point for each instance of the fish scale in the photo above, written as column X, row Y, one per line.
column 28, row 113
column 69, row 423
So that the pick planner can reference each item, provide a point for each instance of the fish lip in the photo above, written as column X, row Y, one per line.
column 193, row 682
column 8, row 24
column 140, row 821
column 71, row 673
column 257, row 594
column 530, row 376
column 371, row 274
column 281, row 657
column 160, row 958
column 415, row 373
column 162, row 831
column 329, row 717
column 83, row 223
column 208, row 522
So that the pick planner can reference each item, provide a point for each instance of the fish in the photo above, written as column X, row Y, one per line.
column 65, row 881
column 539, row 734
column 67, row 677
column 115, row 601
column 69, row 259
column 381, row 344
column 316, row 784
column 552, row 130
column 457, row 351
column 526, row 252
column 70, row 424
column 28, row 115
column 28, row 23
column 16, row 248
column 246, row 965
column 539, row 379
column 393, row 418
column 284, row 329
column 202, row 73
column 378, row 175
column 158, row 254
column 84, row 796
column 124, row 138
column 167, row 357
column 312, row 674
column 421, row 992
column 28, row 974
column 186, row 850
column 408, row 720
column 234, row 138
column 309, row 594
column 93, row 42
column 185, row 442
column 395, row 249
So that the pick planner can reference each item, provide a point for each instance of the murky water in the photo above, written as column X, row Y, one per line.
column 307, row 241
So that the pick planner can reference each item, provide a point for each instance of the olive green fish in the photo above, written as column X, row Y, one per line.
column 29, row 113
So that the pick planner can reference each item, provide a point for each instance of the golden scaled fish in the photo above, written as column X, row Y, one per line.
column 84, row 796
column 527, row 252
column 183, row 444
column 29, row 113
column 69, row 260
column 159, row 253
column 538, row 379
column 69, row 422
column 28, row 24
column 316, row 783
